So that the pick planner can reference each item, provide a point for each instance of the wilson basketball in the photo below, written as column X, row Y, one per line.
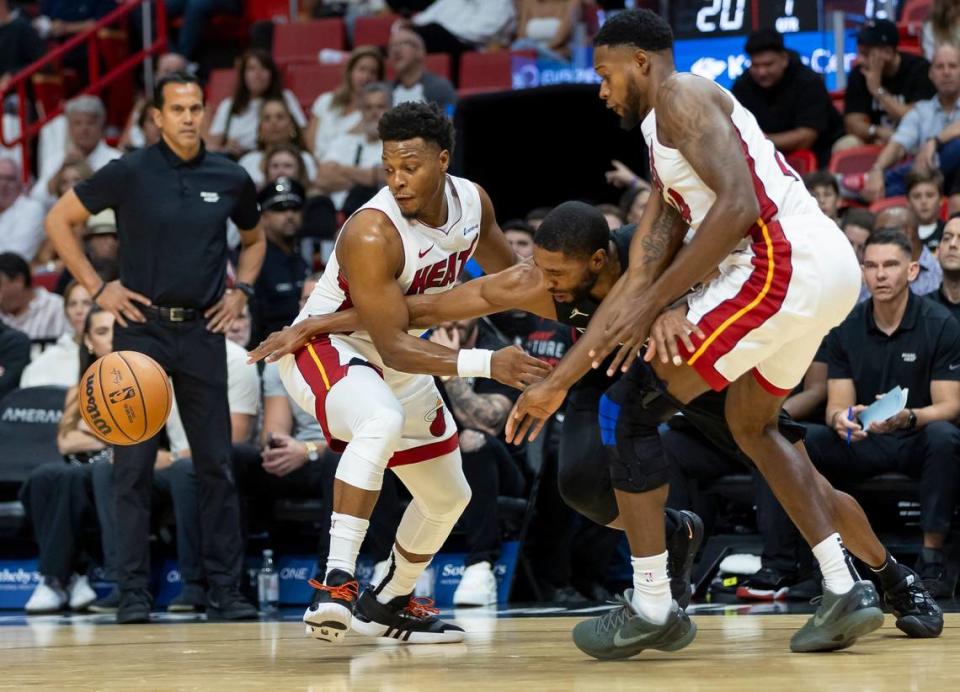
column 125, row 397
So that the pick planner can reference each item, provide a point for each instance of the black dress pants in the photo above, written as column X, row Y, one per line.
column 197, row 363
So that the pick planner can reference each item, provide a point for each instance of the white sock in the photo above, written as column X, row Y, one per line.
column 346, row 535
column 401, row 577
column 838, row 571
column 651, row 588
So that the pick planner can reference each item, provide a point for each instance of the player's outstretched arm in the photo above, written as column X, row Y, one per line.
column 371, row 255
column 517, row 288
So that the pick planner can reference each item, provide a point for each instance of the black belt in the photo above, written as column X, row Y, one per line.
column 170, row 314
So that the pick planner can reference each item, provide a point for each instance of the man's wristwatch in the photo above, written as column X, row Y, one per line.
column 912, row 420
column 313, row 452
column 245, row 288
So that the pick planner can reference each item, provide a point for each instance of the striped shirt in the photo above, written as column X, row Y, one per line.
column 43, row 319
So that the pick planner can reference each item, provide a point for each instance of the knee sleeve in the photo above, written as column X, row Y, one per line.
column 375, row 439
column 634, row 411
column 440, row 494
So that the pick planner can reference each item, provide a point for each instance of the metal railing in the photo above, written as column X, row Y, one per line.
column 154, row 14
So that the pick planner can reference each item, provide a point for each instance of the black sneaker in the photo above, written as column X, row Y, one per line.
column 406, row 619
column 918, row 615
column 682, row 548
column 329, row 614
column 191, row 599
column 227, row 603
column 107, row 604
column 134, row 607
column 936, row 578
column 768, row 584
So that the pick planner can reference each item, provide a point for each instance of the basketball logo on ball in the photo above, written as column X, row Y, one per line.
column 125, row 398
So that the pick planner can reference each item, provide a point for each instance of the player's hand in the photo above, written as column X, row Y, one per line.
column 121, row 301
column 516, row 369
column 288, row 340
column 849, row 429
column 666, row 330
column 286, row 456
column 629, row 326
column 222, row 313
column 532, row 410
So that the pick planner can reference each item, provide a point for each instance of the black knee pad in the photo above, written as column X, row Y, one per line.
column 633, row 410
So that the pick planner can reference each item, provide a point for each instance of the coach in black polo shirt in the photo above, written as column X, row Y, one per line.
column 789, row 100
column 172, row 202
column 276, row 300
column 948, row 254
column 896, row 338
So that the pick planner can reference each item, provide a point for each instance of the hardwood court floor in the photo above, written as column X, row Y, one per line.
column 531, row 654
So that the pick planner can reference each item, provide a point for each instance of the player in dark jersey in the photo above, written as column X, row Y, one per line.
column 575, row 264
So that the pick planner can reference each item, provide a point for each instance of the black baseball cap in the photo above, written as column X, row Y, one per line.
column 879, row 32
column 280, row 194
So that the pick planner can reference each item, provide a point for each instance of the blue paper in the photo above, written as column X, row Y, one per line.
column 884, row 408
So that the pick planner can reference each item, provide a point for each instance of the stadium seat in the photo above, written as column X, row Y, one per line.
column 47, row 280
column 887, row 203
column 303, row 41
column 48, row 90
column 837, row 98
column 488, row 71
column 309, row 81
column 803, row 161
column 855, row 159
column 373, row 31
column 220, row 85
column 267, row 10
column 28, row 428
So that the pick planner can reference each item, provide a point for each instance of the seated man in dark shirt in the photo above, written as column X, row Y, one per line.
column 948, row 254
column 14, row 357
column 788, row 99
column 19, row 43
column 883, row 85
column 896, row 338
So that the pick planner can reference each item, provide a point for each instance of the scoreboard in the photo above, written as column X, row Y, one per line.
column 705, row 18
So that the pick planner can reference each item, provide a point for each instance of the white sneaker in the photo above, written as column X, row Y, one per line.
column 81, row 593
column 48, row 597
column 478, row 586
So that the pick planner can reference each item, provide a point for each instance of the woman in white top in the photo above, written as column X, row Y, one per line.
column 547, row 27
column 943, row 26
column 277, row 126
column 234, row 126
column 285, row 160
column 57, row 364
column 338, row 111
column 73, row 170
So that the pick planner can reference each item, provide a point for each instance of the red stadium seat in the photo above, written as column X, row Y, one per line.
column 945, row 208
column 881, row 204
column 438, row 63
column 303, row 41
column 373, row 31
column 309, row 81
column 855, row 159
column 490, row 71
column 48, row 89
column 803, row 161
column 837, row 98
column 271, row 10
column 47, row 280
column 220, row 85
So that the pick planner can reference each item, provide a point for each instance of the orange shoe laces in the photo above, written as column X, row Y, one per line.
column 348, row 591
column 421, row 607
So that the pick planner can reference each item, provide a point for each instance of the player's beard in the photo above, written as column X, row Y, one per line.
column 582, row 291
column 631, row 114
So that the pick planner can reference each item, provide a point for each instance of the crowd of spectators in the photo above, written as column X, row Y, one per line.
column 312, row 169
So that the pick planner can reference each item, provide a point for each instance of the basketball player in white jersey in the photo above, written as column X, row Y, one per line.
column 786, row 277
column 373, row 392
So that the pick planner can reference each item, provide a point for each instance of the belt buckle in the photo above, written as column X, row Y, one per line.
column 177, row 314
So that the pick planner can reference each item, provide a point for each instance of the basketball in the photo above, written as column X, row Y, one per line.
column 125, row 398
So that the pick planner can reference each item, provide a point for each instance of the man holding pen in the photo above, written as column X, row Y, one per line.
column 896, row 338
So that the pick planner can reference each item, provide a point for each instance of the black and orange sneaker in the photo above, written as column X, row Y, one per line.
column 406, row 619
column 328, row 616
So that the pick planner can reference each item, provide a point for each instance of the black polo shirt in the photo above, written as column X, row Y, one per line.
column 925, row 347
column 910, row 83
column 172, row 220
column 938, row 297
column 276, row 300
column 799, row 99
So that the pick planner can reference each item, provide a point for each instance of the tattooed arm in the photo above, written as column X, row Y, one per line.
column 484, row 412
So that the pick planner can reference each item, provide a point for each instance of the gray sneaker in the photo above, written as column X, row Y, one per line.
column 622, row 633
column 840, row 620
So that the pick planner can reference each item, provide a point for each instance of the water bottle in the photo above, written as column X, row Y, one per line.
column 268, row 584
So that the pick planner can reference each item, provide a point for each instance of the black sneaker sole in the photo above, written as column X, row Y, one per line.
column 920, row 626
